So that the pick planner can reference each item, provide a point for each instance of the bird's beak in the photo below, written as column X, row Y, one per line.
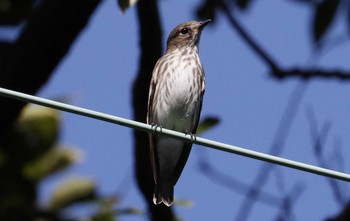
column 202, row 24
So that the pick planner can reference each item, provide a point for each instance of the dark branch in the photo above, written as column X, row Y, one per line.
column 285, row 203
column 276, row 148
column 288, row 202
column 151, row 49
column 275, row 69
column 25, row 65
column 233, row 184
column 45, row 40
column 313, row 73
column 248, row 39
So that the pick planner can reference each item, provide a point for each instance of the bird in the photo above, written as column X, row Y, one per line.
column 175, row 101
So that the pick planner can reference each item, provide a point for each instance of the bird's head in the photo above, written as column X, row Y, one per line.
column 186, row 35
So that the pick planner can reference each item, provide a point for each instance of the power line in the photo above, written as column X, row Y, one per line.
column 198, row 140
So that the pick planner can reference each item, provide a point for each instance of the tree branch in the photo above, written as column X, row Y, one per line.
column 277, row 146
column 276, row 70
column 312, row 73
column 45, row 40
column 151, row 49
column 248, row 39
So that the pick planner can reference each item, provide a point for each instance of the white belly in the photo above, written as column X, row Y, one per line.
column 180, row 106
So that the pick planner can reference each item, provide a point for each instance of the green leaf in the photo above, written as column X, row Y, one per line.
column 106, row 211
column 12, row 12
column 106, row 216
column 184, row 203
column 206, row 124
column 72, row 191
column 39, row 125
column 33, row 134
column 53, row 161
column 324, row 16
column 125, row 4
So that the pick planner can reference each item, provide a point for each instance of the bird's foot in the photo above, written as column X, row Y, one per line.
column 193, row 136
column 155, row 127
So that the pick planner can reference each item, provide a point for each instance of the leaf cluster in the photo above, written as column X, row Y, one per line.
column 28, row 156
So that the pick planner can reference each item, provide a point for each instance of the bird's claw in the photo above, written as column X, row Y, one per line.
column 193, row 136
column 155, row 127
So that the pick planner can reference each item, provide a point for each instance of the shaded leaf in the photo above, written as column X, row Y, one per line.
column 72, row 191
column 34, row 133
column 324, row 16
column 105, row 216
column 242, row 4
column 13, row 12
column 125, row 4
column 207, row 124
column 53, row 161
column 207, row 10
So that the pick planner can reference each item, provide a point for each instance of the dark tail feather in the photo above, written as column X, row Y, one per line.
column 163, row 193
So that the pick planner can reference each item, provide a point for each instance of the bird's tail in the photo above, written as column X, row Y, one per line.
column 163, row 193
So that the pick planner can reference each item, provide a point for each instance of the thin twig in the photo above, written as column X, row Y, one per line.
column 275, row 69
column 248, row 39
column 277, row 145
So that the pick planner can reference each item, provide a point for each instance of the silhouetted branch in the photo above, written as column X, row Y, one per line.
column 25, row 65
column 284, row 203
column 275, row 69
column 151, row 49
column 247, row 37
column 288, row 202
column 231, row 183
column 313, row 73
column 277, row 145
column 44, row 41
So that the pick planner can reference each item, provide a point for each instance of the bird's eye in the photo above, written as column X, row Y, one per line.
column 184, row 31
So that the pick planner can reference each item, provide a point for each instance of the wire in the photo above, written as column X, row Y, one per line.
column 186, row 137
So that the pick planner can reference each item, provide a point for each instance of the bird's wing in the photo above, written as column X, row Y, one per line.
column 150, row 113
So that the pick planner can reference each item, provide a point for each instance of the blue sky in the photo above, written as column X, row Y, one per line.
column 99, row 70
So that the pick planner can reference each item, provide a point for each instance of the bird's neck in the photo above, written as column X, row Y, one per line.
column 183, row 50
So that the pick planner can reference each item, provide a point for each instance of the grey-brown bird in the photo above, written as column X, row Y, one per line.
column 175, row 102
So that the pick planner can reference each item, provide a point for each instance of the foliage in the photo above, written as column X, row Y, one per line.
column 325, row 13
column 29, row 156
